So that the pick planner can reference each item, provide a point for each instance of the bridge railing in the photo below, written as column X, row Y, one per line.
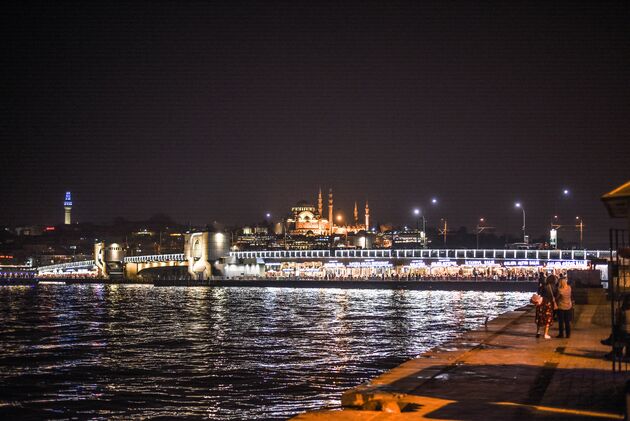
column 179, row 257
column 63, row 266
column 427, row 254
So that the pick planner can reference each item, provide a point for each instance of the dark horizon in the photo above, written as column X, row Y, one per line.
column 226, row 113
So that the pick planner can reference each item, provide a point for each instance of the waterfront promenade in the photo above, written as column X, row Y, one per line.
column 498, row 372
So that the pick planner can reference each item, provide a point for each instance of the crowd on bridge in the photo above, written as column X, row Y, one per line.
column 513, row 276
column 22, row 275
column 53, row 276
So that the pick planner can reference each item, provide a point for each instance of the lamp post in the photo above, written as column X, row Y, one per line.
column 555, row 222
column 417, row 213
column 479, row 229
column 580, row 225
column 518, row 205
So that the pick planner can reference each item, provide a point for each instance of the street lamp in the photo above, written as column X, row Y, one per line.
column 479, row 229
column 417, row 213
column 518, row 205
column 555, row 222
column 580, row 225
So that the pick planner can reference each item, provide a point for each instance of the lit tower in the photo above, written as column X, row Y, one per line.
column 330, row 210
column 67, row 205
column 320, row 204
column 356, row 214
column 367, row 216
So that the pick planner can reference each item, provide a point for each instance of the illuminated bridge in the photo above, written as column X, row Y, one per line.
column 366, row 263
column 301, row 262
column 495, row 254
column 148, row 261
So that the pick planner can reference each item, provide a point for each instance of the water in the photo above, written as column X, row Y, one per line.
column 124, row 352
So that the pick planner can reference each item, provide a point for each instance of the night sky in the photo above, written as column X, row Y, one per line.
column 224, row 113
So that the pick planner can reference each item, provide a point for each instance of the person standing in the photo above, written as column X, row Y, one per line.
column 544, row 312
column 565, row 308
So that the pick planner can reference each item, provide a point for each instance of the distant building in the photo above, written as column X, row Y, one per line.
column 67, row 206
column 254, row 238
column 308, row 220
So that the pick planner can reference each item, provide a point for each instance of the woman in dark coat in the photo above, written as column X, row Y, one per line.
column 544, row 312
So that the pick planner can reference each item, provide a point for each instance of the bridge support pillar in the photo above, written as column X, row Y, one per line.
column 131, row 271
column 196, row 253
column 99, row 260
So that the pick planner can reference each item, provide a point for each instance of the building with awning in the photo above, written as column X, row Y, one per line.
column 617, row 202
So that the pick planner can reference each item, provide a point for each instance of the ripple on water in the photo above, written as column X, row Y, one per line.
column 223, row 353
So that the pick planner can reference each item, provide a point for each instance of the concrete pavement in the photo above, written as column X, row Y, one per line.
column 498, row 372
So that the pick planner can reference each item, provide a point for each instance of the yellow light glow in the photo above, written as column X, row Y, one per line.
column 577, row 412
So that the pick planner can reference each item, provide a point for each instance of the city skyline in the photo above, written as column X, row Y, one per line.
column 569, row 229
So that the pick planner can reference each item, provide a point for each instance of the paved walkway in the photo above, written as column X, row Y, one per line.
column 499, row 372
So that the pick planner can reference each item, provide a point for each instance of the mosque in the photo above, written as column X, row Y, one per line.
column 310, row 221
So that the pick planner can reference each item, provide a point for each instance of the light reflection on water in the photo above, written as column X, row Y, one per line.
column 221, row 353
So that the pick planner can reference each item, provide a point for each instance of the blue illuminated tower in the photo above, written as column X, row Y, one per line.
column 67, row 205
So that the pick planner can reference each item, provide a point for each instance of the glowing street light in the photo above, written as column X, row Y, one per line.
column 579, row 224
column 566, row 192
column 480, row 228
column 434, row 201
column 416, row 212
column 518, row 205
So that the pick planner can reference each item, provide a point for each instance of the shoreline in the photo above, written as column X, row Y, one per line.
column 498, row 371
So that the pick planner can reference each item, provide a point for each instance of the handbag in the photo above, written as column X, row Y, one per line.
column 536, row 300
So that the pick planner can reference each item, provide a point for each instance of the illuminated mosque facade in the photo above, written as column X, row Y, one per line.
column 308, row 220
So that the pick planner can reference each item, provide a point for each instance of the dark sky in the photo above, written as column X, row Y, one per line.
column 219, row 113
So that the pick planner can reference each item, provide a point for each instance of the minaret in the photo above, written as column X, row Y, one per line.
column 330, row 210
column 67, row 205
column 320, row 204
column 367, row 216
column 356, row 214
